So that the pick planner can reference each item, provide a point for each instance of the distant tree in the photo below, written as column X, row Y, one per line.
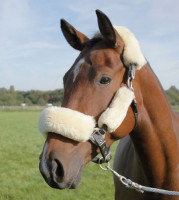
column 11, row 97
column 11, row 89
column 3, row 91
column 173, row 95
column 27, row 101
column 41, row 102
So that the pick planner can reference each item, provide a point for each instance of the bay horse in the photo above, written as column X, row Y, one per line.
column 97, row 93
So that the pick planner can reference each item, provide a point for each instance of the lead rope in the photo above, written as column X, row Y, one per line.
column 135, row 186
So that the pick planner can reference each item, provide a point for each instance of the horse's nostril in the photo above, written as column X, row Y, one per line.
column 57, row 170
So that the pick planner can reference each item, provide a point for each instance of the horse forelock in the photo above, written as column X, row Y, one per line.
column 94, row 40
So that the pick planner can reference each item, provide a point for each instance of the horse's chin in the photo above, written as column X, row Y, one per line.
column 62, row 186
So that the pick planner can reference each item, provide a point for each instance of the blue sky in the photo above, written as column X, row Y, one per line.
column 35, row 55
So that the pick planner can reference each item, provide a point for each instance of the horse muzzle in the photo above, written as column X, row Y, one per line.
column 70, row 131
column 56, row 175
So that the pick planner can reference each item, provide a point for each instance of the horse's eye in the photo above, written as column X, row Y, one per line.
column 104, row 80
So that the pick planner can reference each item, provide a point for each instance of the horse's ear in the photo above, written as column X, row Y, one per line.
column 107, row 30
column 75, row 38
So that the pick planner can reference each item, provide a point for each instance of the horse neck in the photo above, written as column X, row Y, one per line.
column 155, row 138
column 152, row 101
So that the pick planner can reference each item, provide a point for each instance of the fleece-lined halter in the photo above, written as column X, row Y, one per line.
column 78, row 126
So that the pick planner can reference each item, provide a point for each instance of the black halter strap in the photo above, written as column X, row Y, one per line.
column 135, row 111
column 98, row 138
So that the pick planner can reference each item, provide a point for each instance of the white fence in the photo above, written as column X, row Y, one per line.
column 22, row 107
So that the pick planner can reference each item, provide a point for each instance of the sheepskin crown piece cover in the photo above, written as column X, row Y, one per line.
column 132, row 52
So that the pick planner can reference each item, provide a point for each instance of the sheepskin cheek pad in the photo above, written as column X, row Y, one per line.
column 114, row 115
column 78, row 126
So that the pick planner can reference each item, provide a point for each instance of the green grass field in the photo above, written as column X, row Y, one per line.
column 20, row 179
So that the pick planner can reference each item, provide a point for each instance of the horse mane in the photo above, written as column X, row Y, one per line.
column 94, row 40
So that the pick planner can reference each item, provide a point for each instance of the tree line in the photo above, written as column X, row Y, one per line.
column 11, row 97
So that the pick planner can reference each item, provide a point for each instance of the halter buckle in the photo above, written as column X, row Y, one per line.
column 97, row 138
column 131, row 75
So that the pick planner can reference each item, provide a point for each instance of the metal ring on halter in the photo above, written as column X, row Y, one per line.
column 122, row 179
column 100, row 164
column 131, row 75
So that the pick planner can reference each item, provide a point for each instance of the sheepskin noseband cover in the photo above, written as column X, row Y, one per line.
column 78, row 126
column 69, row 123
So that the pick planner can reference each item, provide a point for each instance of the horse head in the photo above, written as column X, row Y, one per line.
column 95, row 94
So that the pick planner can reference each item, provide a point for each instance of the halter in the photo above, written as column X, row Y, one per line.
column 98, row 134
column 65, row 121
column 80, row 127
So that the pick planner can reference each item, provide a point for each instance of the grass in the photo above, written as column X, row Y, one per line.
column 20, row 146
column 20, row 179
